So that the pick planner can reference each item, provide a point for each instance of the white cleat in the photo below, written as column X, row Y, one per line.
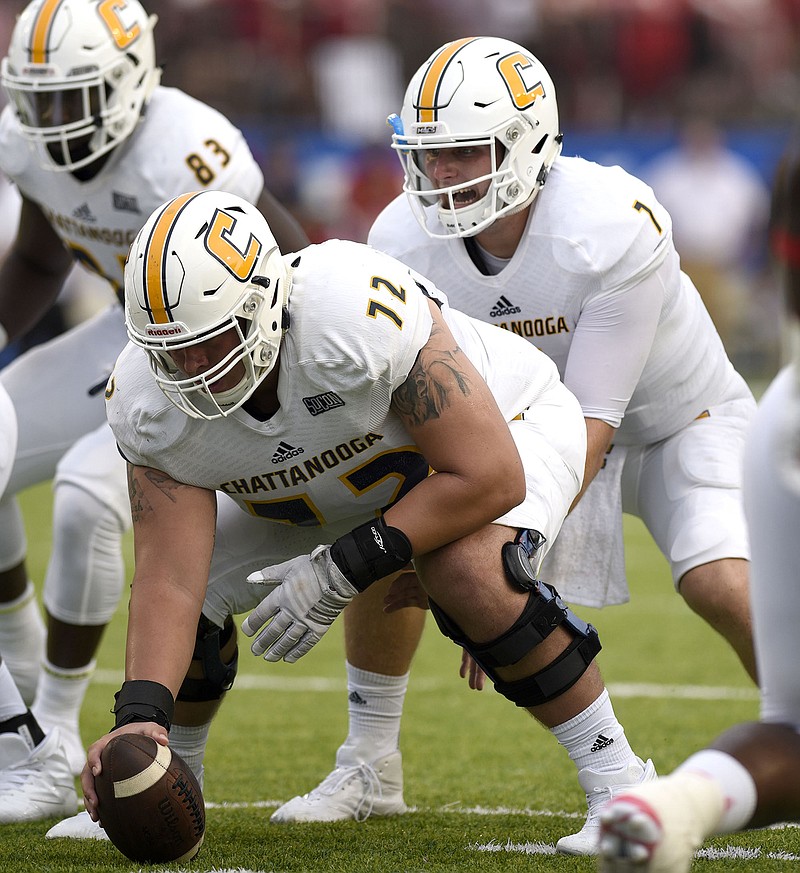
column 600, row 787
column 34, row 783
column 656, row 828
column 78, row 827
column 351, row 794
column 71, row 740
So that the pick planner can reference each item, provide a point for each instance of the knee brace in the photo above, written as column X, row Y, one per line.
column 543, row 613
column 214, row 663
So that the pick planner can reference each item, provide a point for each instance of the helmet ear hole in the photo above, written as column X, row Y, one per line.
column 537, row 149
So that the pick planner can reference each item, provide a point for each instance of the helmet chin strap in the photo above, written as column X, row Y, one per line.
column 452, row 219
column 231, row 397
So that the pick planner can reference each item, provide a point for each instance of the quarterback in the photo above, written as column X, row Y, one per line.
column 93, row 143
column 358, row 423
column 578, row 260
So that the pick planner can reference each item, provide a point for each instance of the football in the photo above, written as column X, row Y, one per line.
column 149, row 801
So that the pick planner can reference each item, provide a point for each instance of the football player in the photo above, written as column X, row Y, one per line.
column 93, row 142
column 749, row 777
column 357, row 422
column 34, row 771
column 578, row 259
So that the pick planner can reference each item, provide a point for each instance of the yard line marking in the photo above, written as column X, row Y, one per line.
column 304, row 684
column 738, row 853
column 525, row 848
column 730, row 852
column 455, row 808
column 684, row 692
column 742, row 853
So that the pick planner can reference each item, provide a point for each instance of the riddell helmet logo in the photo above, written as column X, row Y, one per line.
column 172, row 330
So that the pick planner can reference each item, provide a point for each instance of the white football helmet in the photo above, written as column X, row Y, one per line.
column 78, row 73
column 481, row 91
column 203, row 264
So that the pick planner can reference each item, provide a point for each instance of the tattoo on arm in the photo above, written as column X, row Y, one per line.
column 433, row 378
column 164, row 483
column 140, row 505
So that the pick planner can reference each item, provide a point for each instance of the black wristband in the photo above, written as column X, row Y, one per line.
column 370, row 552
column 142, row 700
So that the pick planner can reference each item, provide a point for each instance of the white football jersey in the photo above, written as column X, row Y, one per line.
column 645, row 358
column 334, row 450
column 180, row 145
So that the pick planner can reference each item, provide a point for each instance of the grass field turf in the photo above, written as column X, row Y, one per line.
column 490, row 790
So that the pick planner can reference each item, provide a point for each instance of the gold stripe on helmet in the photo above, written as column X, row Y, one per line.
column 426, row 103
column 40, row 33
column 155, row 261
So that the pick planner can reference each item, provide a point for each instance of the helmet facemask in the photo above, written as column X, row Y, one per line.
column 255, row 350
column 506, row 192
column 74, row 123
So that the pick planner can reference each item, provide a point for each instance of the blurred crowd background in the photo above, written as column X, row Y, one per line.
column 698, row 97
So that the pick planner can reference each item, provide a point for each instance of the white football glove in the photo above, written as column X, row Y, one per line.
column 311, row 591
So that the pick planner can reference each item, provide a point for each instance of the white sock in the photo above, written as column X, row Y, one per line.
column 11, row 702
column 22, row 640
column 189, row 741
column 60, row 694
column 58, row 704
column 594, row 738
column 733, row 780
column 374, row 707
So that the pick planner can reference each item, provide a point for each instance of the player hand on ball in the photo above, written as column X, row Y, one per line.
column 93, row 767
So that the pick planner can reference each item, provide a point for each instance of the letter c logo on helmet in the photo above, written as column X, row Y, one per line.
column 123, row 35
column 218, row 241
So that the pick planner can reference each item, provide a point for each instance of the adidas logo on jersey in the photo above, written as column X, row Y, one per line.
column 355, row 697
column 503, row 307
column 83, row 213
column 601, row 743
column 285, row 451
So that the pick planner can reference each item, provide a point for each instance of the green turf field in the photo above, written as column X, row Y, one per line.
column 490, row 790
